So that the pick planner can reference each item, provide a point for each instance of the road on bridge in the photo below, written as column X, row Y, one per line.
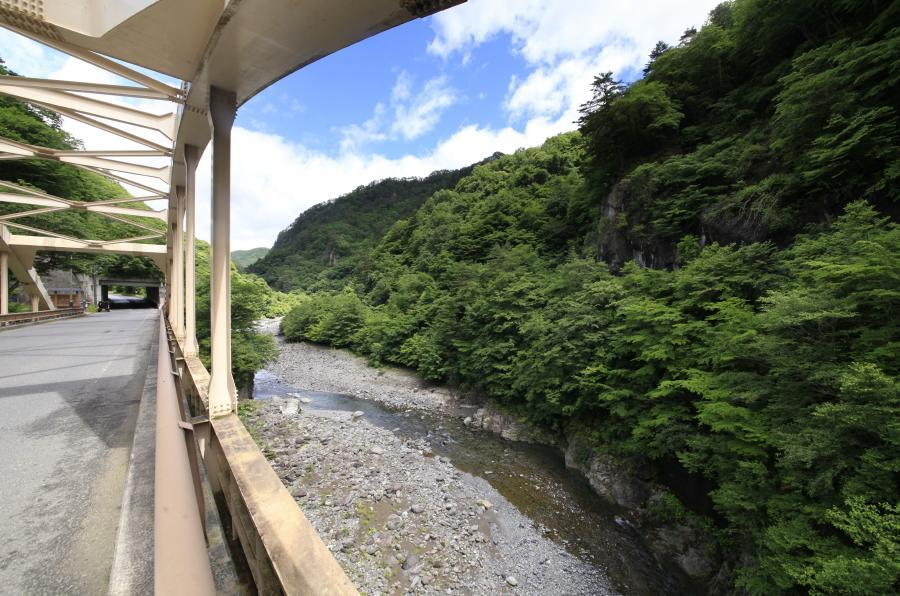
column 69, row 396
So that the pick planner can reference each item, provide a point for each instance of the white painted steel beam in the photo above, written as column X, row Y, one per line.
column 47, row 232
column 191, row 158
column 131, row 240
column 19, row 262
column 138, row 199
column 176, row 235
column 157, row 252
column 104, row 207
column 79, row 86
column 222, row 392
column 8, row 197
column 163, row 173
column 25, row 150
column 30, row 213
column 113, row 153
column 111, row 174
column 99, row 60
column 111, row 129
column 52, row 99
column 4, row 282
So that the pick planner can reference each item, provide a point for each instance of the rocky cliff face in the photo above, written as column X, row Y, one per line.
column 624, row 234
column 675, row 537
column 617, row 244
column 679, row 539
column 508, row 426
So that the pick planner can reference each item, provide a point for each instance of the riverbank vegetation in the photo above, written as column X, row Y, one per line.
column 705, row 276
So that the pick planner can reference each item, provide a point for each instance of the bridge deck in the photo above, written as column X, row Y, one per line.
column 69, row 396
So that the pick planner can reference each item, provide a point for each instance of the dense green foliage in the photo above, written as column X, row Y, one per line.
column 245, row 258
column 251, row 300
column 748, row 328
column 330, row 241
column 23, row 122
column 772, row 116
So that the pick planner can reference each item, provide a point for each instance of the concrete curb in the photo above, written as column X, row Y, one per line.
column 132, row 569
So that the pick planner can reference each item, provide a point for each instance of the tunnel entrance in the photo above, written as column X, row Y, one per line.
column 129, row 293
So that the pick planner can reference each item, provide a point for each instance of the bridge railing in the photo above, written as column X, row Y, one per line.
column 22, row 318
column 281, row 548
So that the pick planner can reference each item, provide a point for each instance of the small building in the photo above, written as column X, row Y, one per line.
column 66, row 297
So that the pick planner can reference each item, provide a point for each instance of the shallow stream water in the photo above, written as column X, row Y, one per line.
column 533, row 478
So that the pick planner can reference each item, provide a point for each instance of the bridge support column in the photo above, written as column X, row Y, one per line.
column 176, row 281
column 35, row 303
column 4, row 283
column 191, row 157
column 222, row 392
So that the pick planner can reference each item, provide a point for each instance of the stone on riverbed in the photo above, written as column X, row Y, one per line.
column 394, row 521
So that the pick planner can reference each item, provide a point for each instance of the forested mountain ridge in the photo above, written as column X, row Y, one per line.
column 743, row 194
column 245, row 258
column 329, row 241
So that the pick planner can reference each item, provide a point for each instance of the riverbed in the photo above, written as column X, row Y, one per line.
column 412, row 500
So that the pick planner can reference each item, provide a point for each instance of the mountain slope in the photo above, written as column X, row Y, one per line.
column 245, row 258
column 327, row 242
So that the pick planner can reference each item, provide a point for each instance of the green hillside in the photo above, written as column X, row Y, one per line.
column 703, row 279
column 245, row 258
column 329, row 242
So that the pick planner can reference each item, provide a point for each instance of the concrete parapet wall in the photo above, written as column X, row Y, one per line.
column 25, row 318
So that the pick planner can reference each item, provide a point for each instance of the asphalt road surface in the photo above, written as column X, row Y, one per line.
column 69, row 396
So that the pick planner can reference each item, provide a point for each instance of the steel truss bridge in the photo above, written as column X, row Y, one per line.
column 219, row 53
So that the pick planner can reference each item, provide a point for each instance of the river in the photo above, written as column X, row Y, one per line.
column 532, row 479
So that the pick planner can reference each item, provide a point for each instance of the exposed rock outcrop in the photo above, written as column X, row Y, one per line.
column 682, row 541
column 511, row 428
column 609, row 478
column 617, row 244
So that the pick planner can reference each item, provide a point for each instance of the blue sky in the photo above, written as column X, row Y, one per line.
column 324, row 103
column 440, row 92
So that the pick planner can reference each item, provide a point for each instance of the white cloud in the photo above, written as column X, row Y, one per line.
column 544, row 31
column 557, row 90
column 354, row 136
column 414, row 113
column 415, row 116
column 27, row 57
column 564, row 47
